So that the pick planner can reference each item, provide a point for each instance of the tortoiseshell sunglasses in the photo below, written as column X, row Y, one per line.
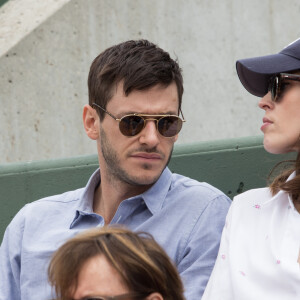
column 277, row 85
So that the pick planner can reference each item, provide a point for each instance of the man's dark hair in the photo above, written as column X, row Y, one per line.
column 139, row 64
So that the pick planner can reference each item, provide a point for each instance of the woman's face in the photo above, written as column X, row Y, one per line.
column 98, row 278
column 281, row 123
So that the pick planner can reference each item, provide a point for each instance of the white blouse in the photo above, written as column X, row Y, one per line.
column 259, row 251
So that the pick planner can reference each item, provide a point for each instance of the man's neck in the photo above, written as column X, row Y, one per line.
column 109, row 195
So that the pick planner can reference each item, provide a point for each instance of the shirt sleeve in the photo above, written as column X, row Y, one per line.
column 202, row 248
column 10, row 259
column 219, row 284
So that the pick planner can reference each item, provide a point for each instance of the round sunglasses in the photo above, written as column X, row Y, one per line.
column 133, row 124
column 277, row 84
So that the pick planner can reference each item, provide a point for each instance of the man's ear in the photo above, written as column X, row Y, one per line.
column 155, row 296
column 91, row 122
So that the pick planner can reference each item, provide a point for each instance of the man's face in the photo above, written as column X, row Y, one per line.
column 140, row 159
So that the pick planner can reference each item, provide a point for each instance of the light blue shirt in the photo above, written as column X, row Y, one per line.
column 185, row 216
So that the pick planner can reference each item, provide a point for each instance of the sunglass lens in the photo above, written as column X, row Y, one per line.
column 131, row 125
column 169, row 126
column 274, row 88
column 271, row 88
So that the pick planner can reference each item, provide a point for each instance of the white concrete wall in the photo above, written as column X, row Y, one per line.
column 43, row 74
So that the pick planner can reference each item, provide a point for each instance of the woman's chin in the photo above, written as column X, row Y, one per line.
column 279, row 148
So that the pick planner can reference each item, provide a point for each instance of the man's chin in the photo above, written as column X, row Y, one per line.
column 144, row 179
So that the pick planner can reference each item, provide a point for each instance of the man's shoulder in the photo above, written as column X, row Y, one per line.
column 187, row 185
column 65, row 197
column 54, row 202
column 46, row 212
column 196, row 194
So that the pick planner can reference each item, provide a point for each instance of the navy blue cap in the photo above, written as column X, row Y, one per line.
column 255, row 73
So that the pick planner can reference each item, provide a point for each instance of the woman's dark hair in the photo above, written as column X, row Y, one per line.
column 140, row 261
column 292, row 186
column 280, row 182
column 139, row 64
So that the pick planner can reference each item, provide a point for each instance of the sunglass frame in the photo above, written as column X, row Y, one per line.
column 276, row 82
column 145, row 118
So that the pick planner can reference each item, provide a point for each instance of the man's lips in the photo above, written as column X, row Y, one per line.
column 148, row 156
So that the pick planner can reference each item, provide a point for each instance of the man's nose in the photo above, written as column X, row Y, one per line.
column 149, row 135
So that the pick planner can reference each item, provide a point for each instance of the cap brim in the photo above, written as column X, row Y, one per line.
column 255, row 73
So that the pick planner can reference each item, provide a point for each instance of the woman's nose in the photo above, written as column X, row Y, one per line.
column 266, row 102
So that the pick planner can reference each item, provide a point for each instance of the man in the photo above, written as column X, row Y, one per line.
column 135, row 93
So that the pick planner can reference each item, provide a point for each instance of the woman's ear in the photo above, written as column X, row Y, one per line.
column 155, row 296
column 91, row 122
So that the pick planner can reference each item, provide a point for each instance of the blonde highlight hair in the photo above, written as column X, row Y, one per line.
column 140, row 261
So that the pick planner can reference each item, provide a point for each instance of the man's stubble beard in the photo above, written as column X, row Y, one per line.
column 113, row 164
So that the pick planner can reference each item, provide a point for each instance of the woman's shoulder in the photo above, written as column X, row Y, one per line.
column 248, row 209
column 263, row 193
column 252, row 198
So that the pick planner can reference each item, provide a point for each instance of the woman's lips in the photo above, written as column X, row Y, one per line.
column 266, row 122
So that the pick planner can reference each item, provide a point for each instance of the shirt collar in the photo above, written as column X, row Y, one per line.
column 280, row 194
column 292, row 176
column 153, row 198
column 87, row 197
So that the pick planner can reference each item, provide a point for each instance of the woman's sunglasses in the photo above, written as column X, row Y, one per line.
column 277, row 84
column 133, row 124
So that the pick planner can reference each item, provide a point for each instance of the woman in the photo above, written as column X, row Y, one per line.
column 113, row 264
column 259, row 256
